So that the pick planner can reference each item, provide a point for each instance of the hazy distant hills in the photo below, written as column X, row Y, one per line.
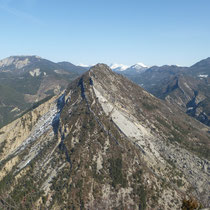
column 25, row 80
column 104, row 143
column 186, row 87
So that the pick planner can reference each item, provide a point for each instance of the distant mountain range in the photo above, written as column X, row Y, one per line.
column 128, row 70
column 26, row 80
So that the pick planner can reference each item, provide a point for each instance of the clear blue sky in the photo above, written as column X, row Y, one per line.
column 122, row 31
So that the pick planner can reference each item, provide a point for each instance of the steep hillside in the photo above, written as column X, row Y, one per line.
column 186, row 88
column 190, row 94
column 153, row 78
column 104, row 143
column 26, row 80
column 200, row 69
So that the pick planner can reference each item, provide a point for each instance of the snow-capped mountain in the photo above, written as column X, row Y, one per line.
column 121, row 68
column 129, row 70
column 136, row 68
column 85, row 66
column 118, row 67
column 139, row 66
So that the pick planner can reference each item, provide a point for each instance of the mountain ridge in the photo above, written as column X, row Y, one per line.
column 104, row 143
column 195, row 79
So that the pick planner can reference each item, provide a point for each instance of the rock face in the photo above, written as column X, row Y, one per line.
column 26, row 80
column 104, row 143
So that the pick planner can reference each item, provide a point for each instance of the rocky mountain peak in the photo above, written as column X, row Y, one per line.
column 17, row 61
column 104, row 143
column 101, row 68
column 14, row 59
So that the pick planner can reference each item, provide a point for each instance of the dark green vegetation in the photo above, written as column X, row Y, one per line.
column 25, row 193
column 140, row 190
column 116, row 172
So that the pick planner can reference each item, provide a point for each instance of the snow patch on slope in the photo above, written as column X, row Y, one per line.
column 203, row 75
